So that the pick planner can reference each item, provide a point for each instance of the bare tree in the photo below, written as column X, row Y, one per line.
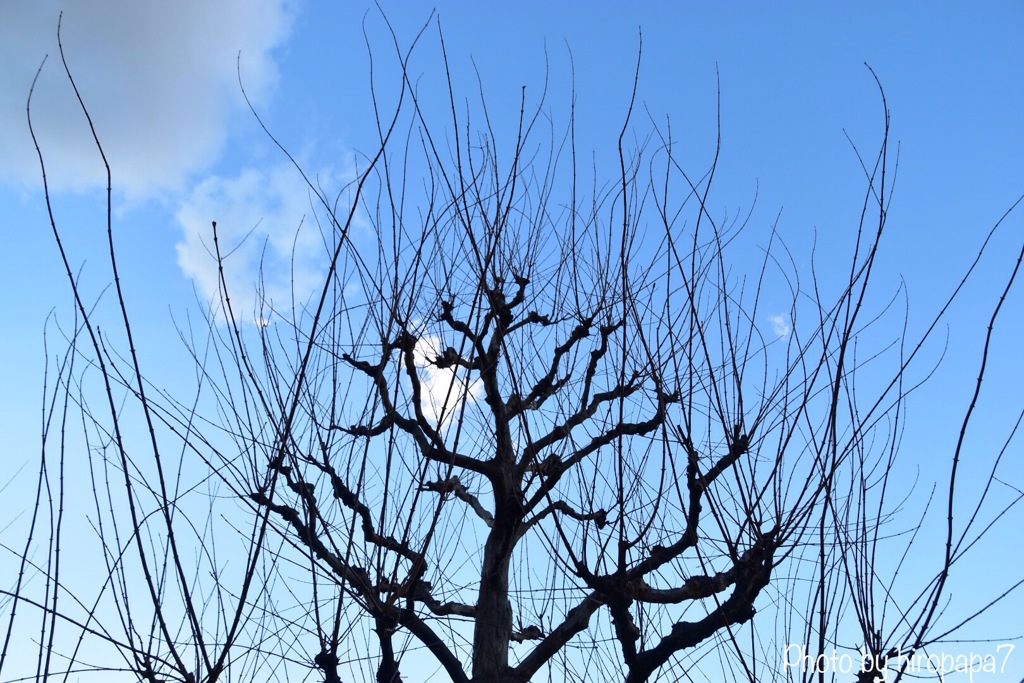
column 532, row 425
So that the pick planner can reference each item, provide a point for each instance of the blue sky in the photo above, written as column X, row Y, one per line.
column 160, row 81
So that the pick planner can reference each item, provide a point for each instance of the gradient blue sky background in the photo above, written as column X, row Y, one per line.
column 160, row 81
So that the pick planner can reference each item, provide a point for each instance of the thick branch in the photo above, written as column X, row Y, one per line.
column 576, row 621
column 750, row 575
column 426, row 635
column 600, row 516
column 356, row 577
column 430, row 443
column 351, row 501
column 598, row 442
column 454, row 486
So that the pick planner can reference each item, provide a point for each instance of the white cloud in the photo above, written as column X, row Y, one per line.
column 780, row 325
column 267, row 234
column 159, row 79
column 443, row 389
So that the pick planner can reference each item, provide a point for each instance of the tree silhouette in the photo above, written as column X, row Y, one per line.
column 531, row 425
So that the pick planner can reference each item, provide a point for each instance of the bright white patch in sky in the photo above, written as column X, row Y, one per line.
column 443, row 388
column 159, row 79
column 780, row 325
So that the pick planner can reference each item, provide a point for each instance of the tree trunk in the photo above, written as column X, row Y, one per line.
column 493, row 628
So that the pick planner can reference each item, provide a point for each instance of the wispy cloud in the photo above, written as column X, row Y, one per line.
column 780, row 325
column 159, row 79
column 268, row 235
